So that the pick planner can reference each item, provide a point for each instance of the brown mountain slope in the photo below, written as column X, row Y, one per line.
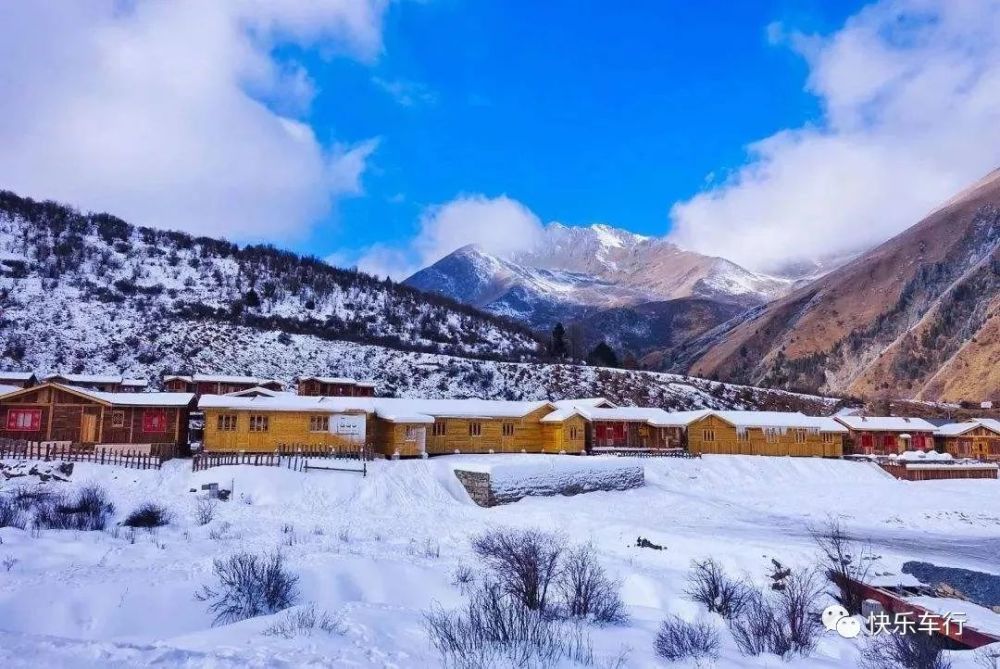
column 915, row 317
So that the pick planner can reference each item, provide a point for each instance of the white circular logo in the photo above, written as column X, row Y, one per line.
column 832, row 614
column 848, row 627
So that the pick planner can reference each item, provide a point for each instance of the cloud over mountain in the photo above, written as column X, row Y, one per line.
column 910, row 91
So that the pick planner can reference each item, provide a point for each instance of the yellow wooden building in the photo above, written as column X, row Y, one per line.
column 977, row 438
column 389, row 426
column 763, row 433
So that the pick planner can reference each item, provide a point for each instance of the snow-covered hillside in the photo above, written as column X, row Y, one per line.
column 375, row 553
column 72, row 285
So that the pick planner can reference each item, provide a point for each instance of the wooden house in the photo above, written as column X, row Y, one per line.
column 977, row 438
column 392, row 427
column 108, row 383
column 263, row 424
column 777, row 433
column 217, row 384
column 334, row 386
column 54, row 412
column 887, row 435
column 609, row 428
column 18, row 379
column 471, row 426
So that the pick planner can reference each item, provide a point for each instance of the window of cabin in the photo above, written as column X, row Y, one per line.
column 743, row 435
column 507, row 429
column 24, row 420
column 475, row 429
column 154, row 420
column 319, row 423
column 411, row 434
column 118, row 418
column 258, row 423
column 226, row 422
column 772, row 435
column 438, row 430
column 800, row 436
column 828, row 437
column 574, row 433
column 708, row 435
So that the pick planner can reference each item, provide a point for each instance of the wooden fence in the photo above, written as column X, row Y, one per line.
column 72, row 452
column 291, row 456
column 644, row 452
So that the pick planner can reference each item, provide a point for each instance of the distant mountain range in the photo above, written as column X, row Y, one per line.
column 575, row 273
column 918, row 317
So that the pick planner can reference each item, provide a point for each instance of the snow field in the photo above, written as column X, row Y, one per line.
column 379, row 550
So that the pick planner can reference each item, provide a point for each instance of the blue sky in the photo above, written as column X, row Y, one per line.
column 585, row 112
column 387, row 133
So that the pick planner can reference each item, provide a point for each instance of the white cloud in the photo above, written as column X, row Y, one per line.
column 178, row 114
column 499, row 225
column 911, row 98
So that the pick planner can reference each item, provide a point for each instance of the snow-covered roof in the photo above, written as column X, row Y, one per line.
column 955, row 429
column 649, row 415
column 329, row 379
column 9, row 389
column 365, row 384
column 8, row 257
column 141, row 399
column 583, row 402
column 258, row 390
column 97, row 378
column 226, row 378
column 175, row 377
column 921, row 456
column 887, row 423
column 15, row 376
column 392, row 409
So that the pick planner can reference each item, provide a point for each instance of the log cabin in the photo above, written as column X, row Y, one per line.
column 107, row 383
column 18, row 379
column 264, row 424
column 977, row 438
column 392, row 427
column 776, row 433
column 217, row 384
column 54, row 412
column 334, row 386
column 608, row 428
column 887, row 435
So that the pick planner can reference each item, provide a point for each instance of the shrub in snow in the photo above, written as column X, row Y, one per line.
column 844, row 562
column 904, row 651
column 11, row 515
column 148, row 515
column 586, row 591
column 524, row 562
column 88, row 510
column 249, row 586
column 496, row 629
column 303, row 621
column 988, row 657
column 205, row 511
column 8, row 562
column 708, row 584
column 785, row 622
column 678, row 639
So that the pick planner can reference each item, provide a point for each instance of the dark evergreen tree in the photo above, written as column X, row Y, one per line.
column 252, row 299
column 558, row 344
column 602, row 355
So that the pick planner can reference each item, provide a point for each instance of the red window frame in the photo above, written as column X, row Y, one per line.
column 154, row 420
column 15, row 423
